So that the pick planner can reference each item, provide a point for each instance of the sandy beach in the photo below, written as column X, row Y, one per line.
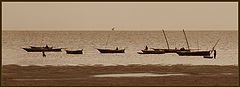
column 182, row 75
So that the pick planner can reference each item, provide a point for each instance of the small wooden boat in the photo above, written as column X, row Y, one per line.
column 151, row 52
column 43, row 49
column 111, row 50
column 167, row 50
column 170, row 50
column 193, row 53
column 74, row 51
column 205, row 53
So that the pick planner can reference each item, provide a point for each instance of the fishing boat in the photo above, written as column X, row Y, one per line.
column 196, row 52
column 169, row 50
column 105, row 50
column 43, row 49
column 111, row 50
column 40, row 49
column 74, row 51
column 151, row 52
column 161, row 51
column 193, row 53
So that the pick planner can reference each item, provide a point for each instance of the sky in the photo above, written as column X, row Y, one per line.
column 134, row 16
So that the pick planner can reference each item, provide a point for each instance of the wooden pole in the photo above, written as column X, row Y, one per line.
column 165, row 38
column 109, row 37
column 186, row 38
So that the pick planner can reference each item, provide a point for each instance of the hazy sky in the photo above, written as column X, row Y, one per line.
column 122, row 15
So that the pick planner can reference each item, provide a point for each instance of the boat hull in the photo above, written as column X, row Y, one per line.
column 171, row 50
column 197, row 53
column 74, row 52
column 111, row 51
column 41, row 47
column 40, row 50
column 151, row 52
column 210, row 57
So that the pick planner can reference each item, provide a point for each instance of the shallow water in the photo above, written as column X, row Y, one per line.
column 132, row 41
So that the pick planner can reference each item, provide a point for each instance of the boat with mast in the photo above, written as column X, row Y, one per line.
column 154, row 51
column 205, row 53
column 169, row 50
column 147, row 51
column 41, row 49
column 110, row 50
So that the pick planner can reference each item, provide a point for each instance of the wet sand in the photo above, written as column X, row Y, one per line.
column 202, row 75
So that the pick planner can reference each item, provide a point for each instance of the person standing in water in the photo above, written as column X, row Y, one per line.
column 44, row 55
column 215, row 54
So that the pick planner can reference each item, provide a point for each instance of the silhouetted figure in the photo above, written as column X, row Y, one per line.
column 146, row 48
column 182, row 49
column 113, row 28
column 117, row 48
column 215, row 54
column 44, row 55
column 46, row 46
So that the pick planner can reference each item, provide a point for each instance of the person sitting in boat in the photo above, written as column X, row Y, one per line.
column 47, row 46
column 117, row 48
column 146, row 48
column 182, row 49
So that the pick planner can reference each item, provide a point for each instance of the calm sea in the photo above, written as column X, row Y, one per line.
column 132, row 41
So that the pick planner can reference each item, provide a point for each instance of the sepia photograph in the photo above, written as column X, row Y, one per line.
column 120, row 44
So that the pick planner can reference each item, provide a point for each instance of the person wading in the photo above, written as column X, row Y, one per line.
column 215, row 54
column 44, row 55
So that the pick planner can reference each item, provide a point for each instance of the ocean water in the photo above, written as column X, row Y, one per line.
column 132, row 41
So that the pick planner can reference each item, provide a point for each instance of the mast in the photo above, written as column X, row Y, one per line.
column 107, row 40
column 165, row 38
column 198, row 45
column 108, row 37
column 186, row 38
